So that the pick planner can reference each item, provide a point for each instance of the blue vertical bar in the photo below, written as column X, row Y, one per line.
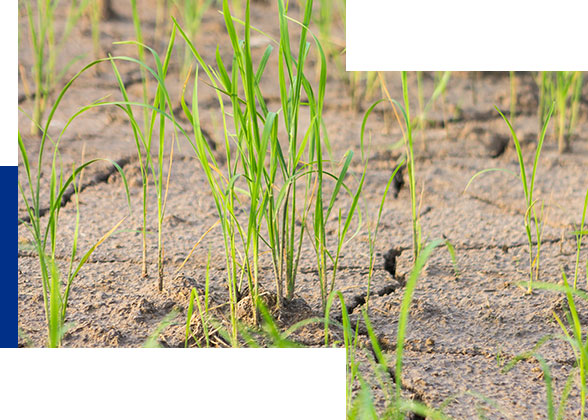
column 9, row 257
column 9, row 83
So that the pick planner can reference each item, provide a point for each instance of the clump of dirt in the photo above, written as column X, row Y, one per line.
column 310, row 329
column 494, row 144
column 213, row 329
column 390, row 260
column 245, row 307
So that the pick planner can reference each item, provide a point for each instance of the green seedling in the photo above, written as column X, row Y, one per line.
column 202, row 308
column 203, row 312
column 99, row 10
column 144, row 84
column 410, row 162
column 190, row 14
column 565, row 88
column 258, row 170
column 568, row 89
column 253, row 145
column 331, row 13
column 579, row 235
column 160, row 17
column 373, row 233
column 351, row 341
column 95, row 13
column 531, row 216
column 251, row 152
column 329, row 17
column 528, row 189
column 420, row 93
column 578, row 340
column 362, row 405
column 46, row 48
column 362, row 86
column 416, row 228
column 313, row 142
column 419, row 264
column 439, row 90
column 55, row 288
column 145, row 141
column 441, row 81
column 513, row 96
column 575, row 335
column 153, row 340
column 398, row 407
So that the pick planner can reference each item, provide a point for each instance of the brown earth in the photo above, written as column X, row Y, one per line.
column 461, row 330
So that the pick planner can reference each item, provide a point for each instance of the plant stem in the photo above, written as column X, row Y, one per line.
column 408, row 142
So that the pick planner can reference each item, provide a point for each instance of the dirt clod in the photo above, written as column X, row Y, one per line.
column 390, row 261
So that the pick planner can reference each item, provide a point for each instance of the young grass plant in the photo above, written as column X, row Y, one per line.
column 99, row 10
column 258, row 168
column 575, row 335
column 254, row 136
column 549, row 391
column 148, row 141
column 362, row 85
column 202, row 308
column 325, row 256
column 330, row 16
column 578, row 340
column 58, row 186
column 321, row 246
column 531, row 213
column 55, row 288
column 46, row 48
column 329, row 11
column 568, row 91
column 565, row 88
column 410, row 165
column 252, row 149
column 373, row 233
column 351, row 341
column 440, row 87
column 579, row 233
column 513, row 96
column 531, row 216
column 153, row 340
column 410, row 162
column 191, row 13
column 144, row 78
column 399, row 407
column 95, row 13
column 419, row 264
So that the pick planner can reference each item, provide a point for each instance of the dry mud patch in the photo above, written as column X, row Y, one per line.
column 461, row 330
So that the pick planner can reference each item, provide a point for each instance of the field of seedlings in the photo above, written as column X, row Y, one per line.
column 207, row 174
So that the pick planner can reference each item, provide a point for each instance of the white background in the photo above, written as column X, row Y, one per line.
column 215, row 384
column 467, row 35
column 8, row 83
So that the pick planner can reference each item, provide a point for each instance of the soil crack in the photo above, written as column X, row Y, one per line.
column 504, row 247
column 99, row 178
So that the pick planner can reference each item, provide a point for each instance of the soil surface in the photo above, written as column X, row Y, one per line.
column 462, row 330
